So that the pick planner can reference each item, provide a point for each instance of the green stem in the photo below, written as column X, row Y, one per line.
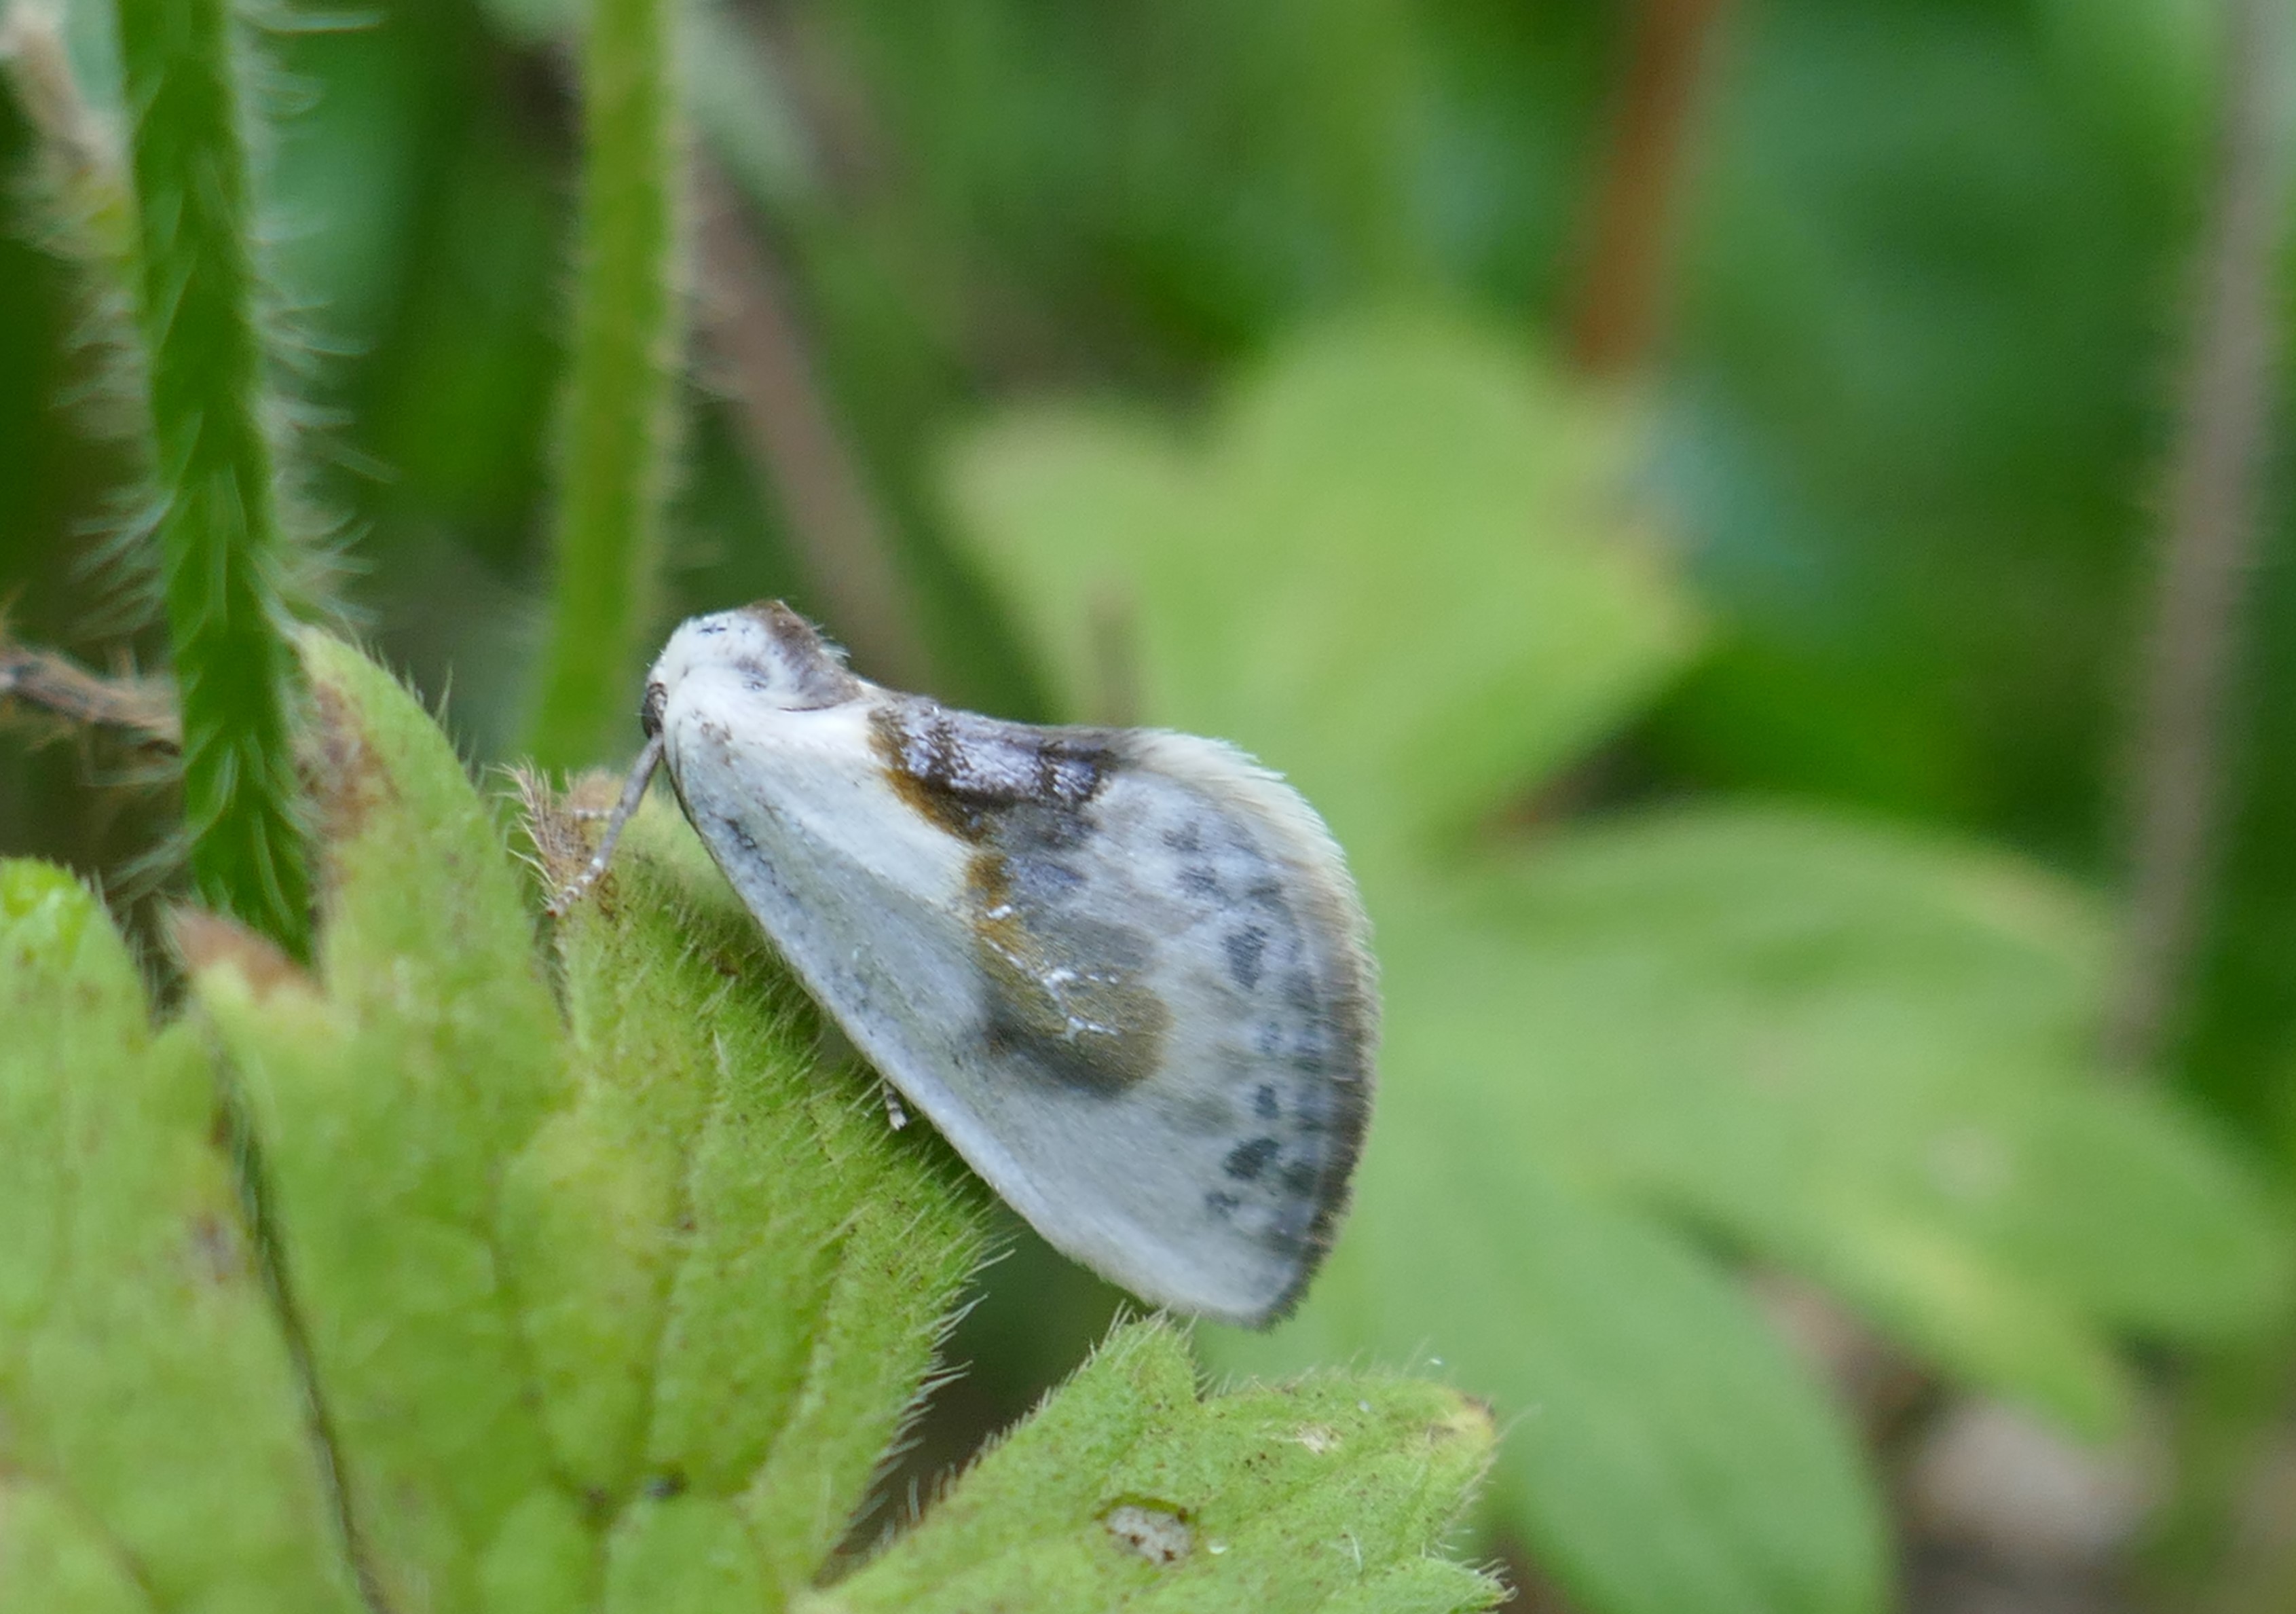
column 619, row 411
column 2213, row 504
column 219, row 534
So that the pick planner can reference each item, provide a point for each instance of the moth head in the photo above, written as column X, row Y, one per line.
column 777, row 655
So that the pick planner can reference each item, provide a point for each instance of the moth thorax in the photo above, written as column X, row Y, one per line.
column 777, row 654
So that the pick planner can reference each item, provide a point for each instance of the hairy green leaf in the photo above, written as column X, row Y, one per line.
column 153, row 1445
column 53, row 1560
column 555, row 1280
column 390, row 1092
column 763, row 1356
column 1663, row 1450
column 1127, row 1490
column 618, row 1312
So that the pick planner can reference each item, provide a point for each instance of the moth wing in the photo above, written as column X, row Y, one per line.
column 1145, row 1012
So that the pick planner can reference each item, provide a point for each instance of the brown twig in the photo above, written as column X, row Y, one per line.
column 2208, row 546
column 842, row 538
column 49, row 684
column 1618, row 318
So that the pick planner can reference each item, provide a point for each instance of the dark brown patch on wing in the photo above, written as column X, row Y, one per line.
column 1063, row 998
column 1065, row 995
column 970, row 774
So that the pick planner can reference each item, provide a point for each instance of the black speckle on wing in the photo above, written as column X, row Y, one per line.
column 1246, row 1161
column 1282, row 972
column 1243, row 946
column 1166, row 944
column 731, row 826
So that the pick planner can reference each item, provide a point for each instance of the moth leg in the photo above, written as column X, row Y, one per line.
column 634, row 790
column 895, row 1114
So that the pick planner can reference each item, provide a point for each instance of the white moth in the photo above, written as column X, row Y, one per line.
column 1123, row 970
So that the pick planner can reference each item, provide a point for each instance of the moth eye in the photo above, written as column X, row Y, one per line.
column 649, row 709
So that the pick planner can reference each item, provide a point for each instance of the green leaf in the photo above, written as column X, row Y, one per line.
column 1857, row 1052
column 1664, row 1451
column 734, row 1278
column 622, row 1313
column 389, row 1094
column 55, row 1560
column 1404, row 566
column 150, row 1414
column 2126, row 1203
column 681, row 1555
column 1127, row 1491
column 1402, row 570
column 574, row 1293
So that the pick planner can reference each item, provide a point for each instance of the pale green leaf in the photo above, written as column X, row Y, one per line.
column 544, row 1559
column 684, row 1554
column 1859, row 1052
column 1403, row 565
column 55, row 1560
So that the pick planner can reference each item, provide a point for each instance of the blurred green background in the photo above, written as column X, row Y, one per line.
column 1715, row 642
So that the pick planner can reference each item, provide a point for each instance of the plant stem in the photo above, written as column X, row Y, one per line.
column 616, row 453
column 838, row 530
column 220, row 537
column 1617, row 320
column 2208, row 546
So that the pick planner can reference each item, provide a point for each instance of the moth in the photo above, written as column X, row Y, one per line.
column 1124, row 972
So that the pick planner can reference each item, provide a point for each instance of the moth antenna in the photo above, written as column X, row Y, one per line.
column 634, row 790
